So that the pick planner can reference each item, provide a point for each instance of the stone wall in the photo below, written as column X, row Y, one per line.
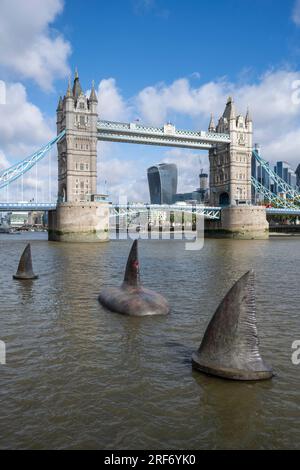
column 243, row 222
column 79, row 222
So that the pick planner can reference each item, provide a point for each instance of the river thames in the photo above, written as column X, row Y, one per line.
column 78, row 376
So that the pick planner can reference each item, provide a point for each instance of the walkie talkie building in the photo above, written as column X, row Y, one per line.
column 162, row 181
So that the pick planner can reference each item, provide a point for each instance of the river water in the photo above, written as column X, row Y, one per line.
column 77, row 376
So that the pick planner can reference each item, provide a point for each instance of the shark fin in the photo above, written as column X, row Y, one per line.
column 230, row 346
column 25, row 270
column 132, row 272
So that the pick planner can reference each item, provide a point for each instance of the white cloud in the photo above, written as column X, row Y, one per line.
column 143, row 6
column 296, row 13
column 157, row 103
column 4, row 163
column 111, row 104
column 23, row 128
column 124, row 175
column 274, row 111
column 29, row 48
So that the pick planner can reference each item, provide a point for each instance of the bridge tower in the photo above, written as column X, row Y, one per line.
column 81, row 214
column 77, row 151
column 230, row 177
column 230, row 164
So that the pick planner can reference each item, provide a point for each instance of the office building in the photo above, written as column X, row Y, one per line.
column 162, row 181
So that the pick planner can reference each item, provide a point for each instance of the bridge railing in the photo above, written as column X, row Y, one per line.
column 133, row 128
column 213, row 213
column 15, row 171
column 270, row 196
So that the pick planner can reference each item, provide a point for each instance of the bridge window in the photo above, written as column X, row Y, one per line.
column 81, row 105
column 81, row 185
column 81, row 166
column 82, row 120
column 86, row 166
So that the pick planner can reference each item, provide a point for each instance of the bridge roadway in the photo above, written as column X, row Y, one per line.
column 167, row 135
column 123, row 209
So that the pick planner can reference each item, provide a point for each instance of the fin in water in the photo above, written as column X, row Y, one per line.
column 25, row 270
column 132, row 272
column 230, row 347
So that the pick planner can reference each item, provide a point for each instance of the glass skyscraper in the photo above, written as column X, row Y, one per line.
column 282, row 169
column 162, row 181
column 285, row 172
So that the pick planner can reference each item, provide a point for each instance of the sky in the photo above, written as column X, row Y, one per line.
column 155, row 60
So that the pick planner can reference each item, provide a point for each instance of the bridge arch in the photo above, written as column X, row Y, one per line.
column 224, row 199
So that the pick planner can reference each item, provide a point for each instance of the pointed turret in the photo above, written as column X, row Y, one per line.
column 93, row 96
column 25, row 270
column 132, row 272
column 229, row 348
column 211, row 127
column 60, row 104
column 77, row 90
column 248, row 116
column 69, row 91
column 229, row 112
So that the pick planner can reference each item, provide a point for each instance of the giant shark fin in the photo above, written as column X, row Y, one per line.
column 230, row 347
column 25, row 270
column 132, row 272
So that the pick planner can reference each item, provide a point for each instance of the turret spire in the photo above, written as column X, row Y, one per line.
column 69, row 92
column 229, row 112
column 248, row 116
column 212, row 127
column 93, row 96
column 60, row 104
column 77, row 90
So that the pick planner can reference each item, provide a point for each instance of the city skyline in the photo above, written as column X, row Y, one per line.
column 184, row 93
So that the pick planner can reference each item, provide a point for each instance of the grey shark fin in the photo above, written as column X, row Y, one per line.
column 25, row 270
column 132, row 272
column 230, row 346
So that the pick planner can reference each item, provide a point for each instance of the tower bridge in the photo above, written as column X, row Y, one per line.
column 80, row 212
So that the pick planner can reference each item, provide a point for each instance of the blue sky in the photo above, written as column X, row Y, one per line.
column 143, row 42
column 153, row 59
